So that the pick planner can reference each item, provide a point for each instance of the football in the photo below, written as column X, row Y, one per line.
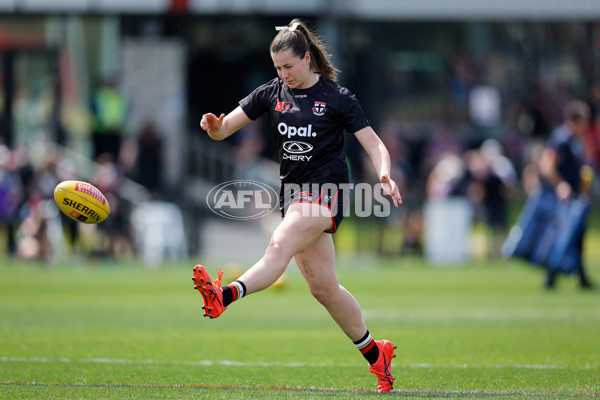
column 81, row 202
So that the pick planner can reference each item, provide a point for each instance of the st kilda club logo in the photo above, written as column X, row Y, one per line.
column 319, row 108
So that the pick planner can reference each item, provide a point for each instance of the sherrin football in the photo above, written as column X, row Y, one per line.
column 81, row 202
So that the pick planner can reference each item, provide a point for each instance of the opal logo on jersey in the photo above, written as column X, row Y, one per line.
column 294, row 147
column 242, row 199
column 291, row 131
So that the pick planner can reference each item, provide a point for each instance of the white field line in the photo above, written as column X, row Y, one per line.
column 230, row 363
column 483, row 314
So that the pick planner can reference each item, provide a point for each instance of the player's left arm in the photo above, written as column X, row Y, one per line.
column 380, row 157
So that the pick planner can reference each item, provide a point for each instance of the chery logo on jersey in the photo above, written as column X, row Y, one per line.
column 302, row 131
column 295, row 151
column 319, row 108
column 294, row 147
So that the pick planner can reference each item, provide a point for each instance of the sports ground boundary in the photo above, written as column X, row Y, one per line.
column 232, row 363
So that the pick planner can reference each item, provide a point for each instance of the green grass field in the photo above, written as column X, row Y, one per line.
column 121, row 331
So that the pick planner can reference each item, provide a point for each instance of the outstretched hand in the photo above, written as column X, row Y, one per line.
column 391, row 189
column 211, row 123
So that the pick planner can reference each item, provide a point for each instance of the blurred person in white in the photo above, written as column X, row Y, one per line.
column 306, row 99
column 562, row 168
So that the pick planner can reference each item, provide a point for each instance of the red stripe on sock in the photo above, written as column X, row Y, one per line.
column 236, row 292
column 368, row 347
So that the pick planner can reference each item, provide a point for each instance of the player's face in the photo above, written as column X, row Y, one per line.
column 293, row 70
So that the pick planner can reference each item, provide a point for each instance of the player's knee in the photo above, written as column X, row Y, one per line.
column 277, row 251
column 322, row 293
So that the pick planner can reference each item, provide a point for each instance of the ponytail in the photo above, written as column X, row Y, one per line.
column 298, row 38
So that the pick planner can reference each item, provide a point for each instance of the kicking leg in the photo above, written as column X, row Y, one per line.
column 317, row 264
column 302, row 224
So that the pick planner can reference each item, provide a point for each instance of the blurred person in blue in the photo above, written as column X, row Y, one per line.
column 562, row 167
column 309, row 112
column 11, row 196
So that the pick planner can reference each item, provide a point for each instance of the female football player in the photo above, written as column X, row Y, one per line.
column 309, row 112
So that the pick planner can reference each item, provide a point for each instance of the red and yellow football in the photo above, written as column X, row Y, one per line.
column 81, row 202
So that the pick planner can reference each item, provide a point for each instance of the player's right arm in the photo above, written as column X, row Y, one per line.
column 225, row 125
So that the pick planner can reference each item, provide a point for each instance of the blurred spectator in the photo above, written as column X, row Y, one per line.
column 595, row 100
column 11, row 194
column 394, row 222
column 537, row 115
column 412, row 238
column 530, row 175
column 248, row 151
column 115, row 236
column 448, row 178
column 39, row 235
column 32, row 234
column 561, row 169
column 443, row 142
column 47, row 178
column 142, row 158
column 109, row 110
column 592, row 138
column 462, row 77
column 592, row 143
column 493, row 182
column 26, row 173
column 149, row 159
column 448, row 213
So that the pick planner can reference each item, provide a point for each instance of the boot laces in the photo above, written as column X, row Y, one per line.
column 217, row 282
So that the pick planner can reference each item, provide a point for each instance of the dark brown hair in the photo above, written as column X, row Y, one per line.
column 302, row 40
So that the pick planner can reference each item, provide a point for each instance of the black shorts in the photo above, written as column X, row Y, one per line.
column 328, row 195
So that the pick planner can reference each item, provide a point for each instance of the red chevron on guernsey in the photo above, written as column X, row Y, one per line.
column 92, row 191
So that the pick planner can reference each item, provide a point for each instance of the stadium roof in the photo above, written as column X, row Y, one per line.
column 371, row 9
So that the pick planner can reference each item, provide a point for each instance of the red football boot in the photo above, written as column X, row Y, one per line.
column 383, row 367
column 212, row 294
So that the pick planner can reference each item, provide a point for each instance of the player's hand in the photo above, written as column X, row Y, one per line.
column 211, row 123
column 391, row 189
column 563, row 191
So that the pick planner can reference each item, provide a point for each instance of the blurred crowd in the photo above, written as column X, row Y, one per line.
column 488, row 172
column 493, row 173
column 451, row 155
column 30, row 223
column 31, row 226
